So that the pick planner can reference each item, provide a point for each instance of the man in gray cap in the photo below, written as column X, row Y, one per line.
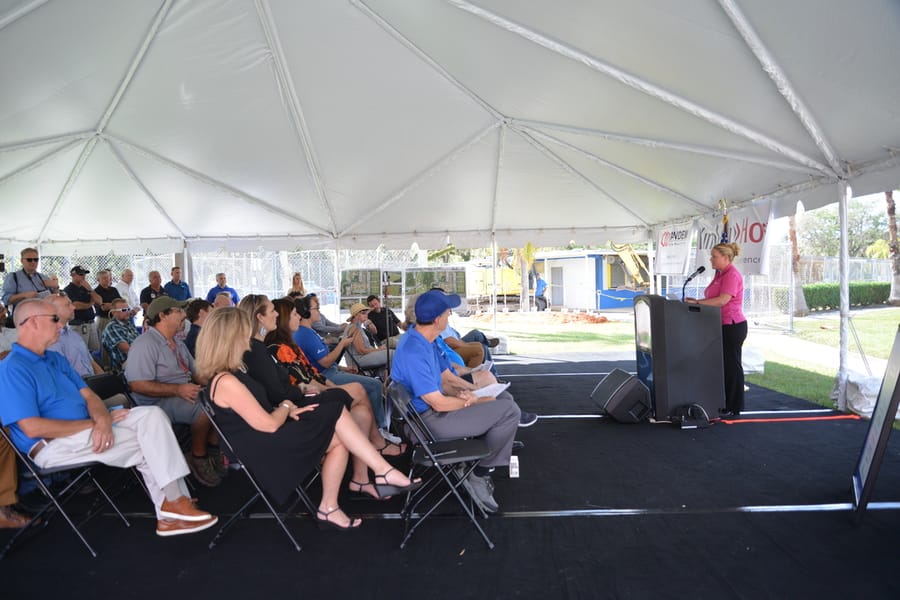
column 160, row 371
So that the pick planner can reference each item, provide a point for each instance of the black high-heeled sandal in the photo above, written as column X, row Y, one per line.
column 359, row 494
column 327, row 523
column 387, row 443
column 387, row 489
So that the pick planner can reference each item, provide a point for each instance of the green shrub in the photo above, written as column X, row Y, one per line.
column 822, row 296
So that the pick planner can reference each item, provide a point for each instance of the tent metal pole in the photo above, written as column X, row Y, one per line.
column 844, row 192
column 533, row 125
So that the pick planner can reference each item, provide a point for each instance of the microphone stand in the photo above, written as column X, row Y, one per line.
column 387, row 327
column 687, row 281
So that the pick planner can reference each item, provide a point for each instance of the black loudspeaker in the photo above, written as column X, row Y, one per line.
column 623, row 397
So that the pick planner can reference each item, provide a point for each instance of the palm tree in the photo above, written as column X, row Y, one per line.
column 526, row 258
column 800, row 307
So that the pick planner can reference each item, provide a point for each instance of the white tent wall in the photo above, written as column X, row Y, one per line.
column 302, row 123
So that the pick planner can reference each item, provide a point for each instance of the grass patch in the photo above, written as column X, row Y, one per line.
column 575, row 337
column 876, row 330
column 796, row 382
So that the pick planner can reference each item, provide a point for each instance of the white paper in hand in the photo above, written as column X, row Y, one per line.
column 490, row 391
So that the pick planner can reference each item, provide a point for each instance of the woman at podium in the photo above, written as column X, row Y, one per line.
column 726, row 290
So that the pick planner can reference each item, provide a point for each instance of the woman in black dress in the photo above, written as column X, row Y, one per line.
column 281, row 445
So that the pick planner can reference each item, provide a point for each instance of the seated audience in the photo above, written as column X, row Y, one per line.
column 301, row 373
column 222, row 300
column 387, row 325
column 363, row 348
column 222, row 286
column 71, row 345
column 452, row 412
column 196, row 312
column 119, row 334
column 278, row 385
column 323, row 325
column 326, row 361
column 299, row 437
column 160, row 371
column 57, row 420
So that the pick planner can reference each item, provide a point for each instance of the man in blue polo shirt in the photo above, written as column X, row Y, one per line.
column 56, row 420
column 221, row 286
column 422, row 368
column 177, row 288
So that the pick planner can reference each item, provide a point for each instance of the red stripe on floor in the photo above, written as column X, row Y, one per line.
column 785, row 419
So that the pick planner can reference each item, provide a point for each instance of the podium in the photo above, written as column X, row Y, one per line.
column 679, row 354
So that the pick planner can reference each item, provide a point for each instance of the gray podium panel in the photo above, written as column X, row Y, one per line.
column 679, row 354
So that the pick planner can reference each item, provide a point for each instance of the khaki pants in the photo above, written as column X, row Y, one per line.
column 8, row 475
column 144, row 439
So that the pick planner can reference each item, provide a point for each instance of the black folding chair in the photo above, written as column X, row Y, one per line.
column 110, row 385
column 210, row 409
column 81, row 475
column 443, row 466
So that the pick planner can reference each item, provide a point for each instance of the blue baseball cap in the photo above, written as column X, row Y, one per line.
column 433, row 303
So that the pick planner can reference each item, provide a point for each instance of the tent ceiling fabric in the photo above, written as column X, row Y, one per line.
column 301, row 124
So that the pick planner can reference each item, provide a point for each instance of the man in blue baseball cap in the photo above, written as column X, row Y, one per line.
column 423, row 369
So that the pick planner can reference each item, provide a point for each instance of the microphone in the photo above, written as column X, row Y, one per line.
column 699, row 270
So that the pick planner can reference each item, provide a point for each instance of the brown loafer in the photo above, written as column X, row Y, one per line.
column 10, row 519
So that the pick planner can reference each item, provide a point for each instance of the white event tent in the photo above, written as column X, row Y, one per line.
column 165, row 125
column 160, row 124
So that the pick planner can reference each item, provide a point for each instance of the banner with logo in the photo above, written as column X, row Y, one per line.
column 747, row 228
column 673, row 249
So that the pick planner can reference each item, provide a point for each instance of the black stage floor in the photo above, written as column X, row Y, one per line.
column 754, row 509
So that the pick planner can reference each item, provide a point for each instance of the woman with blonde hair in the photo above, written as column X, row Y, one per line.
column 282, row 444
column 297, row 288
column 726, row 290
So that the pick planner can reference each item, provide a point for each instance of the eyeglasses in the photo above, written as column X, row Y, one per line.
column 124, row 309
column 54, row 317
column 35, row 259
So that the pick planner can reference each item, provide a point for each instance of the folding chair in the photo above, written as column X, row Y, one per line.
column 210, row 409
column 374, row 372
column 451, row 460
column 110, row 385
column 82, row 474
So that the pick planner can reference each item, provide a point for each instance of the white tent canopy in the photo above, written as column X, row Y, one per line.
column 151, row 125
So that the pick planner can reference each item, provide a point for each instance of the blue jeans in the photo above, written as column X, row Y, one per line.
column 372, row 386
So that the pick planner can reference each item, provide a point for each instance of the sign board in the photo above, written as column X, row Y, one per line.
column 872, row 453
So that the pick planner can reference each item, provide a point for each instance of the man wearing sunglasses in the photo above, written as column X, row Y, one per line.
column 57, row 420
column 119, row 334
column 27, row 282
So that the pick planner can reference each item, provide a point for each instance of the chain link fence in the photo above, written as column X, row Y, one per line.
column 767, row 299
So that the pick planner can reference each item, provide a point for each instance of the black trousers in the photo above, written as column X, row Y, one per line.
column 733, row 337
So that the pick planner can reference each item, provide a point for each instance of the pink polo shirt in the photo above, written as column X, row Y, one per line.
column 728, row 281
